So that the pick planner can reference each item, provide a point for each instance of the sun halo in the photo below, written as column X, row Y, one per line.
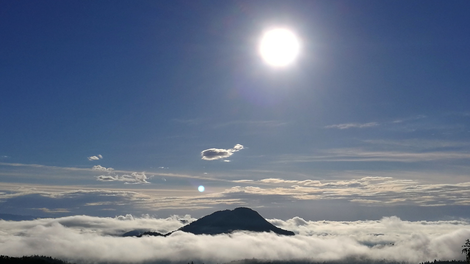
column 279, row 47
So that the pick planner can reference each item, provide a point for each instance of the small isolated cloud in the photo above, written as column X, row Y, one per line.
column 133, row 178
column 53, row 211
column 412, row 118
column 215, row 154
column 101, row 168
column 353, row 125
column 97, row 157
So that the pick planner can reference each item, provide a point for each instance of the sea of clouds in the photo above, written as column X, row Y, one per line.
column 99, row 239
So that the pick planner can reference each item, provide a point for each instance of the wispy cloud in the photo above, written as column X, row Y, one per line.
column 55, row 172
column 418, row 144
column 101, row 168
column 265, row 123
column 191, row 122
column 353, row 125
column 411, row 118
column 374, row 124
column 130, row 199
column 366, row 190
column 362, row 155
column 133, row 178
column 53, row 211
column 97, row 157
column 215, row 154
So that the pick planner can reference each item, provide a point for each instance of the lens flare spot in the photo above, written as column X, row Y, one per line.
column 201, row 188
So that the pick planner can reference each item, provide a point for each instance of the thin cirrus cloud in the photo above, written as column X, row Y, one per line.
column 101, row 168
column 97, row 157
column 353, row 125
column 86, row 199
column 361, row 155
column 215, row 154
column 266, row 123
column 367, row 191
column 133, row 178
column 389, row 238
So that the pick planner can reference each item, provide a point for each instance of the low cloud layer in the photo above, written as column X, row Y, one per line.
column 215, row 154
column 94, row 239
column 97, row 157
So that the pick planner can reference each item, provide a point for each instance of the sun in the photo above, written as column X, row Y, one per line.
column 279, row 47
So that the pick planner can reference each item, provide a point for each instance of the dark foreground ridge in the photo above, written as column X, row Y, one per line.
column 228, row 221
column 50, row 260
column 30, row 260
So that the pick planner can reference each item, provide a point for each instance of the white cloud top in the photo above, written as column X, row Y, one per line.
column 101, row 168
column 215, row 154
column 97, row 157
column 131, row 178
column 97, row 239
column 134, row 178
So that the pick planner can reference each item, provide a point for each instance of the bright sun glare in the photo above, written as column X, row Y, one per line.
column 279, row 47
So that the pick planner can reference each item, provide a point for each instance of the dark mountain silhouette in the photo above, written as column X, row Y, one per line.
column 222, row 222
column 150, row 233
column 228, row 221
column 143, row 232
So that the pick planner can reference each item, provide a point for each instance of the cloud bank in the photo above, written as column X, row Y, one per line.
column 95, row 239
column 215, row 154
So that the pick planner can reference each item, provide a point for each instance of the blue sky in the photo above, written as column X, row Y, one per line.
column 371, row 120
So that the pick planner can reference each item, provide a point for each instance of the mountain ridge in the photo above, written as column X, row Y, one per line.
column 228, row 221
column 222, row 222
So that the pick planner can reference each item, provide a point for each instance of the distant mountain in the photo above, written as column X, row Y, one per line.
column 150, row 233
column 228, row 221
column 222, row 222
column 12, row 217
column 142, row 232
column 135, row 232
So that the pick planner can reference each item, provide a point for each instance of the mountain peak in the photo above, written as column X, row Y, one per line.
column 228, row 221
